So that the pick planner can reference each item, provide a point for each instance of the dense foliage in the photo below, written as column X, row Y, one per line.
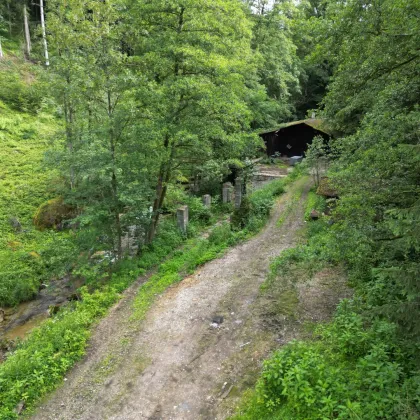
column 365, row 363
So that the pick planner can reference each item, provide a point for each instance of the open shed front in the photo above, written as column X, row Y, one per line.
column 292, row 139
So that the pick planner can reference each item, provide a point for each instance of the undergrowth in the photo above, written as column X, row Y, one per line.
column 355, row 367
column 314, row 202
column 27, row 257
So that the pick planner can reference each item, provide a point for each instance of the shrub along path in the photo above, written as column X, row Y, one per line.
column 199, row 345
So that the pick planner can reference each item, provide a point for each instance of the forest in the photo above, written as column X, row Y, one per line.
column 115, row 113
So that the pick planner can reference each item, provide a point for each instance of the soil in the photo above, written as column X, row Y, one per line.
column 203, row 340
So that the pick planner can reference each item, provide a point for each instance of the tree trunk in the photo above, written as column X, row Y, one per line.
column 69, row 120
column 10, row 17
column 44, row 35
column 166, row 166
column 1, row 50
column 116, row 213
column 161, row 188
column 114, row 183
column 27, row 33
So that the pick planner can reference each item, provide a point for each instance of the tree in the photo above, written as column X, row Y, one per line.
column 373, row 101
column 278, row 69
column 195, row 55
column 316, row 158
column 102, row 161
column 2, row 31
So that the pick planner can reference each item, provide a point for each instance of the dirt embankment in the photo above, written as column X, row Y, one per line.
column 203, row 340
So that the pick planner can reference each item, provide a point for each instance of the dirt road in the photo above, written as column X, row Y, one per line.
column 200, row 344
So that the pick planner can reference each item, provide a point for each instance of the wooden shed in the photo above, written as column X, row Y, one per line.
column 291, row 139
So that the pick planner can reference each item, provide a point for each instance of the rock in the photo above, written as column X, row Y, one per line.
column 53, row 213
column 326, row 188
column 226, row 393
column 19, row 408
column 14, row 222
column 217, row 319
column 314, row 215
column 53, row 309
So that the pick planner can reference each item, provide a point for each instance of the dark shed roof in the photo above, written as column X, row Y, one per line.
column 315, row 123
column 292, row 139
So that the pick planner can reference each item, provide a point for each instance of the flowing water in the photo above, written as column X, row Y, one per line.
column 18, row 321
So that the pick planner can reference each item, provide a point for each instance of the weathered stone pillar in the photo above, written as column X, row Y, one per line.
column 207, row 200
column 227, row 192
column 238, row 192
column 182, row 218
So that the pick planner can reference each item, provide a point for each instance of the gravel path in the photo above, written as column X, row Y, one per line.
column 178, row 363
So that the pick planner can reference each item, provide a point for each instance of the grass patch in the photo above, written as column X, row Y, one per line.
column 27, row 257
column 291, row 204
column 314, row 202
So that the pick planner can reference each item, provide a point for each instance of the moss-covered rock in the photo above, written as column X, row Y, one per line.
column 326, row 188
column 53, row 213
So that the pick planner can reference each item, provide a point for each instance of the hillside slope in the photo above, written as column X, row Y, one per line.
column 25, row 134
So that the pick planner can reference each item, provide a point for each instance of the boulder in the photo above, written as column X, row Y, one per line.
column 14, row 222
column 53, row 213
column 314, row 215
column 326, row 189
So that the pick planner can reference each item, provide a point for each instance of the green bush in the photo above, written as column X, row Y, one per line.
column 221, row 234
column 352, row 372
column 198, row 212
column 256, row 207
column 314, row 202
column 18, row 94
column 24, row 266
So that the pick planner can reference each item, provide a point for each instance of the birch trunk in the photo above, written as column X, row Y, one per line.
column 44, row 35
column 27, row 33
column 1, row 50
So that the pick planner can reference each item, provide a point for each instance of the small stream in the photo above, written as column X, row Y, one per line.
column 18, row 321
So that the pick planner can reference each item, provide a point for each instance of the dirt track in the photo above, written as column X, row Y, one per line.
column 178, row 364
